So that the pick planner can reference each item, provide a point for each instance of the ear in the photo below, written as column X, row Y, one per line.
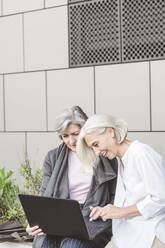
column 111, row 131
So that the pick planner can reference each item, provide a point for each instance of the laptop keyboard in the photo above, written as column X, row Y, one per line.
column 96, row 227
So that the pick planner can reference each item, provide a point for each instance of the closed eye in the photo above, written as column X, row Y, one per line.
column 64, row 136
column 75, row 134
column 95, row 145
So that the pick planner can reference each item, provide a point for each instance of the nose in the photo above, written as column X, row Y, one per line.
column 72, row 140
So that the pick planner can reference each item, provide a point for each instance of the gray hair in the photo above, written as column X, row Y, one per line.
column 72, row 115
column 98, row 124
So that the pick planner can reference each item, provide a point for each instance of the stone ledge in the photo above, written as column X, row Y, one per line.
column 16, row 244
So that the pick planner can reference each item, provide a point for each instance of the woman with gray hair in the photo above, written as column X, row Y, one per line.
column 138, row 213
column 63, row 177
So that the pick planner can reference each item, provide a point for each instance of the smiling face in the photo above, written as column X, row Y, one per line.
column 104, row 144
column 70, row 136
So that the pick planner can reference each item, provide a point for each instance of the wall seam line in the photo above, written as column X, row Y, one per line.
column 23, row 42
column 86, row 66
column 1, row 7
column 4, row 105
column 46, row 99
column 120, row 30
column 26, row 151
column 150, row 100
column 34, row 10
column 69, row 59
column 94, row 87
column 52, row 131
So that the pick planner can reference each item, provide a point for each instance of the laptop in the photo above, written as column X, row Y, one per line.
column 60, row 217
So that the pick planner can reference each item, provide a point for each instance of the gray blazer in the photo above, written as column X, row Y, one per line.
column 102, row 189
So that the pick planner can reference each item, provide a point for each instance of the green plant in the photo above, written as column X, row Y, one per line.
column 10, row 208
column 33, row 180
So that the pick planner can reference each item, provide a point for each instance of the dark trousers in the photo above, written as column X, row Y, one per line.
column 65, row 243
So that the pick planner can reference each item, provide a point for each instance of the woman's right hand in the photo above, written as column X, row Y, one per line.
column 34, row 231
column 95, row 213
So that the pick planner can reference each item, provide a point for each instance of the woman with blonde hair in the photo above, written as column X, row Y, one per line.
column 138, row 213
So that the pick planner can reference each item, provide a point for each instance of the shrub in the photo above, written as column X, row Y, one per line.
column 10, row 207
column 33, row 180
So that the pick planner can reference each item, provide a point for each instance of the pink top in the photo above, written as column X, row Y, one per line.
column 79, row 182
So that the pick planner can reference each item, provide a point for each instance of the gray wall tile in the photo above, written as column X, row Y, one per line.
column 46, row 39
column 158, row 95
column 11, row 44
column 50, row 3
column 15, row 6
column 67, row 88
column 123, row 91
column 1, row 105
column 38, row 145
column 25, row 101
column 12, row 147
column 155, row 139
column 0, row 7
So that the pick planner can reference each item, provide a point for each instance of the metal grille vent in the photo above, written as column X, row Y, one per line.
column 143, row 29
column 94, row 32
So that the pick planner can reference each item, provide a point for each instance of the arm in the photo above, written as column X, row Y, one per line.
column 112, row 212
column 152, row 171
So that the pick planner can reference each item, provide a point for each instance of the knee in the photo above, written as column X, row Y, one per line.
column 73, row 243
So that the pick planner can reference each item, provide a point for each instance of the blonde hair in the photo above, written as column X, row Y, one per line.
column 98, row 124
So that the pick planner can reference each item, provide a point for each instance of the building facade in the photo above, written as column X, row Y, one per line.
column 107, row 56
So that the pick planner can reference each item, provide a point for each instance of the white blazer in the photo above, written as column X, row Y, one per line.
column 141, row 182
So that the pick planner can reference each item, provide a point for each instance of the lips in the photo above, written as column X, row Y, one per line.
column 73, row 147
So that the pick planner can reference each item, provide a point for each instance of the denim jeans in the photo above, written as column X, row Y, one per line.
column 57, row 242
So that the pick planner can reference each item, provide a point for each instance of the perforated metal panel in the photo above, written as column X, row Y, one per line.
column 94, row 32
column 143, row 29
